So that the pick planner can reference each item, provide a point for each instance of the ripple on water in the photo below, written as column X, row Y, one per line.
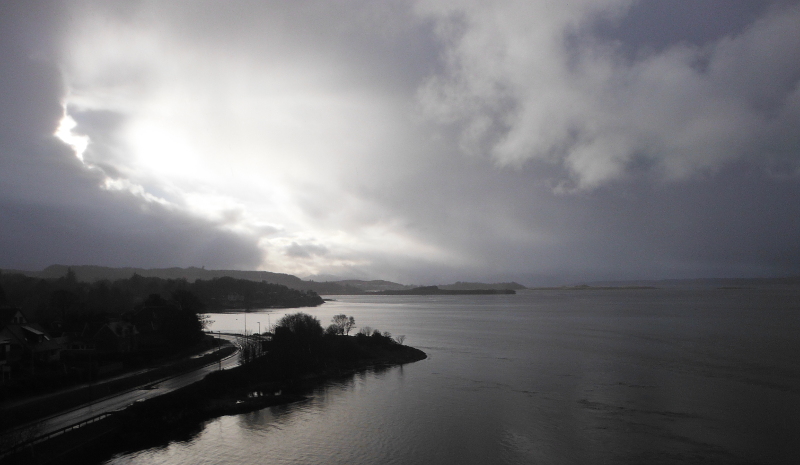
column 555, row 378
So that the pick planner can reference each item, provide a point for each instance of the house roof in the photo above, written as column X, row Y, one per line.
column 47, row 344
column 7, row 314
column 16, row 333
column 33, row 330
column 116, row 328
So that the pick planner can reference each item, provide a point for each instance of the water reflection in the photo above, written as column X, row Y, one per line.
column 141, row 448
column 252, row 426
column 558, row 378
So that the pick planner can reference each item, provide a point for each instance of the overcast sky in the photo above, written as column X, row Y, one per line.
column 420, row 142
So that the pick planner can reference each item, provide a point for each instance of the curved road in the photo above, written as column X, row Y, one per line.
column 124, row 399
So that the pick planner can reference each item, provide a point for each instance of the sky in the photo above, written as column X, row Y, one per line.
column 545, row 142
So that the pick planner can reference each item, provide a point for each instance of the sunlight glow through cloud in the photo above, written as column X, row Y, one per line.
column 80, row 143
column 160, row 148
column 243, row 143
column 64, row 132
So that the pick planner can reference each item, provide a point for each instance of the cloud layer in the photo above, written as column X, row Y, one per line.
column 530, row 81
column 420, row 142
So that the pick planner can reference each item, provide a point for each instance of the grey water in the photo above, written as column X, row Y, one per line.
column 551, row 377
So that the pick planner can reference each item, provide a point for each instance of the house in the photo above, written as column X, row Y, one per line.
column 25, row 343
column 30, row 341
column 5, row 368
column 11, row 316
column 116, row 337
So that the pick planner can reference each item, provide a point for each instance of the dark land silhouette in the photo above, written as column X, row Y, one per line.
column 298, row 356
column 91, row 273
column 59, row 332
column 436, row 290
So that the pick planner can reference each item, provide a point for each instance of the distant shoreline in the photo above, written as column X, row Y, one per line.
column 585, row 287
column 435, row 290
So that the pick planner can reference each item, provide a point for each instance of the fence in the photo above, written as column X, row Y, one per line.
column 45, row 437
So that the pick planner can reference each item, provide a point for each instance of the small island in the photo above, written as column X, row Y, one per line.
column 435, row 290
column 586, row 287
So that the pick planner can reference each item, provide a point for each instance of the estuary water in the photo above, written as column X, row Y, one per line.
column 550, row 377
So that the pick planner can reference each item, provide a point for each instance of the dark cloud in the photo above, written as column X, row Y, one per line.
column 650, row 26
column 306, row 250
column 35, row 236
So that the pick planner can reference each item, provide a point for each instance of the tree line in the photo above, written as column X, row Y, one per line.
column 299, row 344
column 66, row 300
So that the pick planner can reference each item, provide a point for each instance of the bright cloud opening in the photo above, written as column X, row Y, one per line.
column 64, row 132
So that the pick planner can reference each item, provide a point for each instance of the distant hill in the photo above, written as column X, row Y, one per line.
column 322, row 278
column 460, row 286
column 91, row 273
column 375, row 285
column 382, row 285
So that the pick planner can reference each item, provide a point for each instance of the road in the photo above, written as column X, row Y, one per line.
column 124, row 399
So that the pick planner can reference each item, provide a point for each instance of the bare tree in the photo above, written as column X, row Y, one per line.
column 249, row 348
column 400, row 339
column 343, row 323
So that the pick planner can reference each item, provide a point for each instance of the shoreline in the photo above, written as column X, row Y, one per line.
column 227, row 391
column 181, row 414
column 435, row 290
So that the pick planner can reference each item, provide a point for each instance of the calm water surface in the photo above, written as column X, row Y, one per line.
column 550, row 377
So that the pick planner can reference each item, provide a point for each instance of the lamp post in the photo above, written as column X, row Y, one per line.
column 259, row 344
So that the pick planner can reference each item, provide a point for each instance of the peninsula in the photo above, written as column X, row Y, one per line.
column 275, row 369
